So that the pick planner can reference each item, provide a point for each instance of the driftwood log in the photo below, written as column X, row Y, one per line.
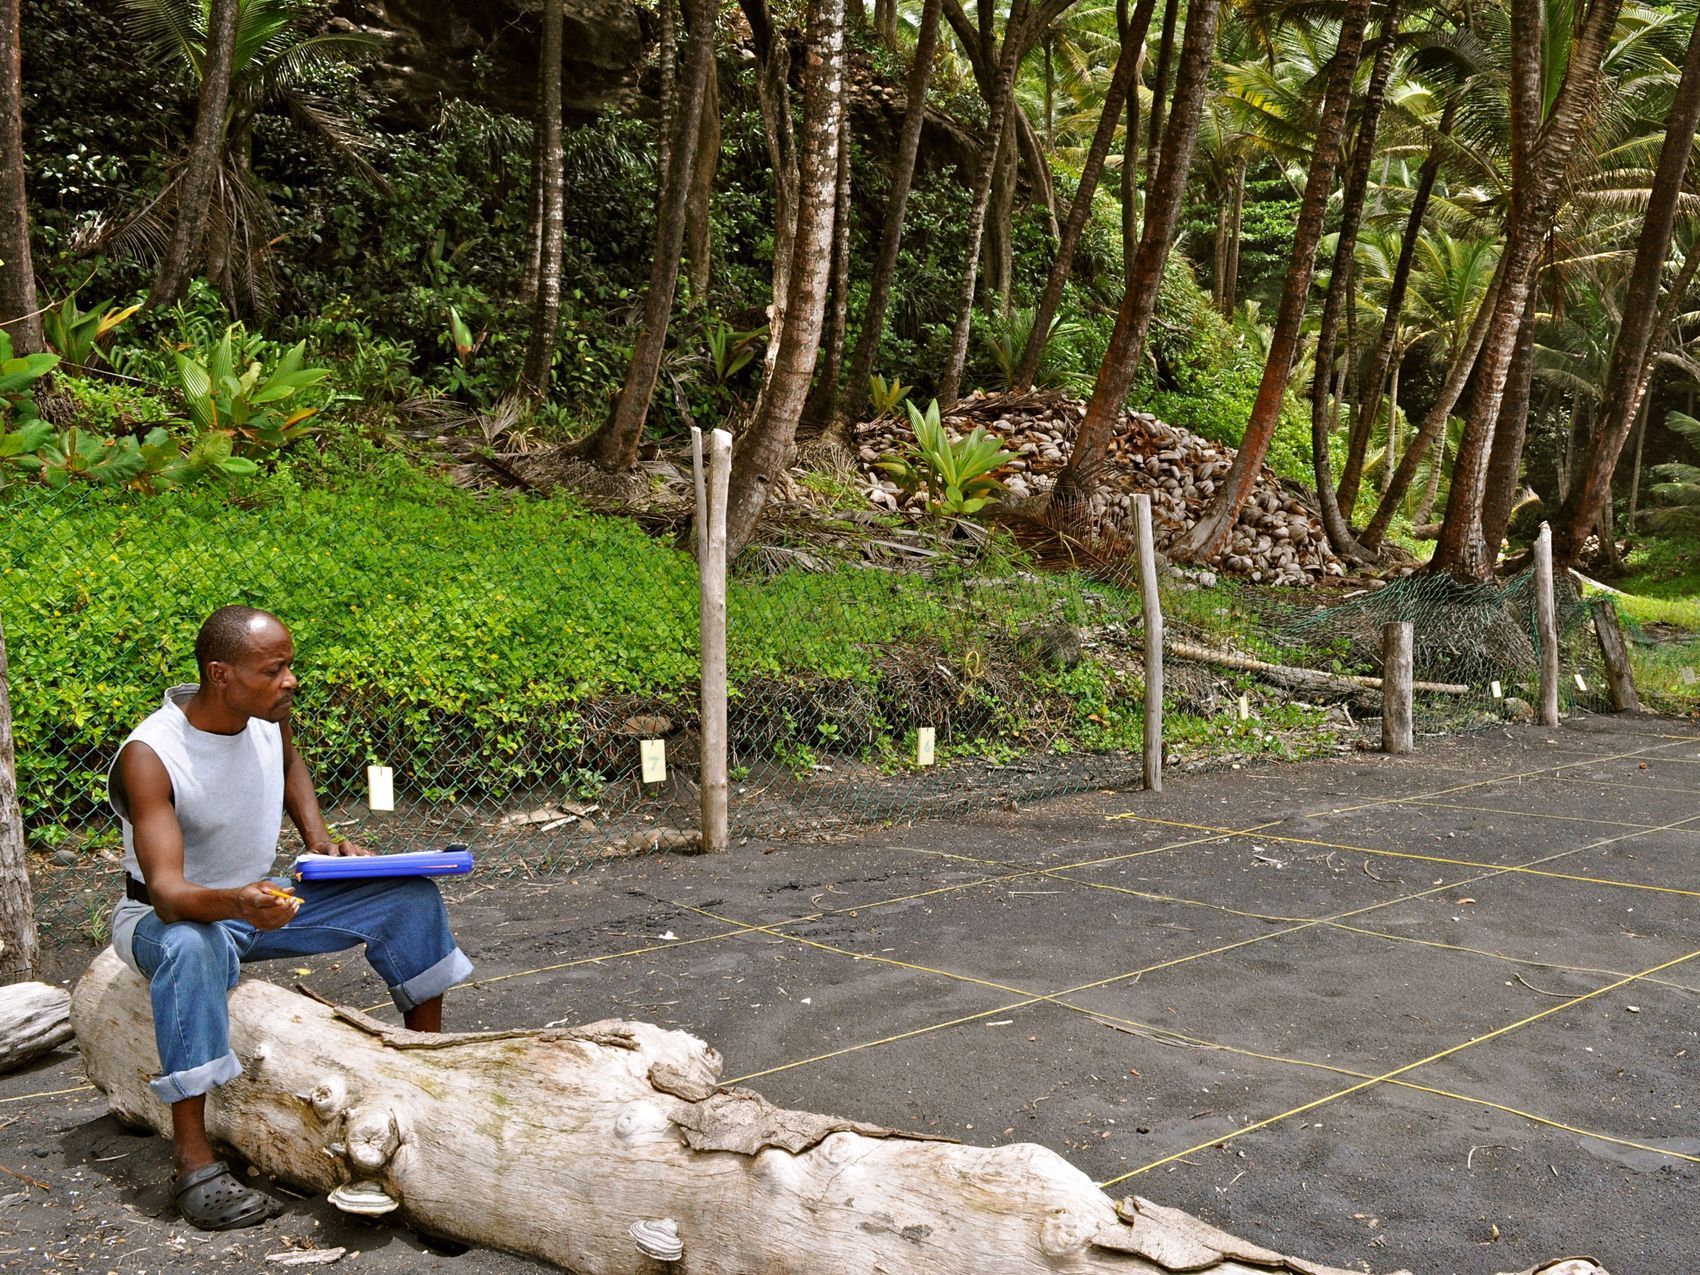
column 34, row 1019
column 574, row 1145
column 1301, row 679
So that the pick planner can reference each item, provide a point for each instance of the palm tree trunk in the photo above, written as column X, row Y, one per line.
column 1002, row 96
column 17, row 269
column 1395, row 430
column 855, row 397
column 1114, row 98
column 546, row 310
column 667, row 93
column 1369, row 406
column 999, row 245
column 1431, row 494
column 763, row 448
column 615, row 445
column 1505, row 464
column 1339, row 286
column 1231, row 271
column 17, row 909
column 1626, row 378
column 1212, row 528
column 1127, row 186
column 1159, row 89
column 699, row 225
column 200, row 171
column 1461, row 549
column 1463, row 367
column 1108, row 404
column 773, row 94
column 822, row 402
column 1635, row 467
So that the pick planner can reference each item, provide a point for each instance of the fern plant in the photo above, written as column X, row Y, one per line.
column 957, row 474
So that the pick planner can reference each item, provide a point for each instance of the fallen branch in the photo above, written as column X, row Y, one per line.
column 1304, row 679
column 34, row 1019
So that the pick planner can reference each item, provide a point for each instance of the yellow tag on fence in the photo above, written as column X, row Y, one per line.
column 653, row 753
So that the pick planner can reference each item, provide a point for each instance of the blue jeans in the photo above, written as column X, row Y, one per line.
column 192, row 966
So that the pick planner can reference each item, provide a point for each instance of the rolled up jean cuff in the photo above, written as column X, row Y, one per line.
column 196, row 1081
column 453, row 968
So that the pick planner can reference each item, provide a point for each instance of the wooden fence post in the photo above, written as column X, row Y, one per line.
column 711, row 566
column 1397, row 672
column 1152, row 605
column 1619, row 675
column 1546, row 618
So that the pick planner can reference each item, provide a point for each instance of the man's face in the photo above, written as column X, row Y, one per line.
column 259, row 682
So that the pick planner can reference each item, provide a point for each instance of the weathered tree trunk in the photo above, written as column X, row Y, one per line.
column 1108, row 404
column 551, row 206
column 17, row 907
column 554, row 1143
column 200, row 171
column 1114, row 99
column 1395, row 430
column 1339, row 287
column 1505, row 464
column 1434, row 424
column 699, row 222
column 1035, row 158
column 615, row 445
column 1002, row 98
column 35, row 1019
column 1159, row 89
column 764, row 446
column 17, row 265
column 855, row 397
column 1461, row 549
column 1369, row 405
column 1626, row 376
column 1214, row 524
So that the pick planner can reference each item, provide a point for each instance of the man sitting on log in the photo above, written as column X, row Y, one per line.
column 201, row 787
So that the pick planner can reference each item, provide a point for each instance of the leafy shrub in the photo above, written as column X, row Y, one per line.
column 229, row 390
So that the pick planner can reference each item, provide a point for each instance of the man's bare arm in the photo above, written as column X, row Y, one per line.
column 158, row 839
column 302, row 803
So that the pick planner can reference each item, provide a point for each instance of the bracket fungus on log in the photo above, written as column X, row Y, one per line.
column 576, row 1145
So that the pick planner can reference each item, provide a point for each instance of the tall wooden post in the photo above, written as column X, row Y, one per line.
column 1397, row 671
column 1153, row 608
column 1546, row 619
column 711, row 567
column 1619, row 675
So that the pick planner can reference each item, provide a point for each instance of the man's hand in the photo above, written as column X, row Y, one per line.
column 264, row 906
column 343, row 847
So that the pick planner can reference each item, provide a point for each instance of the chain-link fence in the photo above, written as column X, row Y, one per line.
column 513, row 661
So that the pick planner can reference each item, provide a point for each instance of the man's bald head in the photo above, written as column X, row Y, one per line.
column 229, row 632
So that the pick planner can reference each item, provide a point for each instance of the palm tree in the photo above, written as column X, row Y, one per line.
column 272, row 61
column 18, row 314
column 1627, row 379
column 1212, row 528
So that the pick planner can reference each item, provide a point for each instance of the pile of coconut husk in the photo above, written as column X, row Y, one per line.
column 1278, row 538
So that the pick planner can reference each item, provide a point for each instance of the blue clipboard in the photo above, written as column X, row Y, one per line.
column 450, row 861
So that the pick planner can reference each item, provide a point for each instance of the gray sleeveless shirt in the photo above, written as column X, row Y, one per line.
column 228, row 791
